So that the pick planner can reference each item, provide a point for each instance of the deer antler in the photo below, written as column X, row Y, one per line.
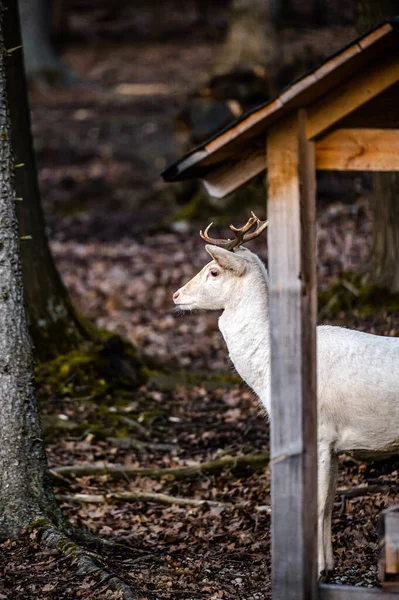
column 241, row 234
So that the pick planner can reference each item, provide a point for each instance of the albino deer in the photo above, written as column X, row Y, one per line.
column 357, row 373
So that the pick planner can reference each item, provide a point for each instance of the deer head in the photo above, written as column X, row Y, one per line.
column 220, row 283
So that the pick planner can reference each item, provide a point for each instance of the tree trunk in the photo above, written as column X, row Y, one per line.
column 383, row 264
column 53, row 323
column 251, row 39
column 42, row 61
column 25, row 487
column 383, row 267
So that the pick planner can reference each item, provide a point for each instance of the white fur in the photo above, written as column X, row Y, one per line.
column 358, row 373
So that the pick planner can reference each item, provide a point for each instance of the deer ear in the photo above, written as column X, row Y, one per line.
column 227, row 259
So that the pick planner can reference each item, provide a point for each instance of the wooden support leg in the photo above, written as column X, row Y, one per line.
column 292, row 266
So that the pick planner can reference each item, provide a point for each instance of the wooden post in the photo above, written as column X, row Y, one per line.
column 389, row 549
column 292, row 266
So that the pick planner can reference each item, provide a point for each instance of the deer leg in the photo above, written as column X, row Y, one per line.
column 327, row 482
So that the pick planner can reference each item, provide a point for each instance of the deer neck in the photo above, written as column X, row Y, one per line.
column 244, row 325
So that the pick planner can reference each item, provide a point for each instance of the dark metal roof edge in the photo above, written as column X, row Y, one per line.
column 177, row 168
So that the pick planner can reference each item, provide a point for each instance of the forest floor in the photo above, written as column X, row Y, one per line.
column 100, row 152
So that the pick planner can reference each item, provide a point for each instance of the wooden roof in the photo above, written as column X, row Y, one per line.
column 243, row 142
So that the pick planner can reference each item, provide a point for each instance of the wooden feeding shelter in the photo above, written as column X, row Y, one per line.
column 343, row 116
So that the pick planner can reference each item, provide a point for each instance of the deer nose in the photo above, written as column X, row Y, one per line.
column 176, row 295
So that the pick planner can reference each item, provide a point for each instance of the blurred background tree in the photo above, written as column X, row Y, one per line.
column 383, row 267
column 40, row 21
column 54, row 325
column 251, row 41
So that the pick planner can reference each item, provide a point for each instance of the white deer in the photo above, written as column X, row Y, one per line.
column 357, row 373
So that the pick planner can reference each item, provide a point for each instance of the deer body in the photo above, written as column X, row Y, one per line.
column 358, row 373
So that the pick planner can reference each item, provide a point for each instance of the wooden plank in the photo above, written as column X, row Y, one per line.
column 333, row 63
column 307, row 198
column 359, row 150
column 382, row 112
column 372, row 37
column 347, row 97
column 340, row 150
column 389, row 549
column 180, row 170
column 230, row 176
column 293, row 423
column 344, row 592
column 243, row 125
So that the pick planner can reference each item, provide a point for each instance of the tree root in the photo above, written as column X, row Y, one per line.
column 138, row 496
column 99, row 544
column 247, row 463
column 85, row 561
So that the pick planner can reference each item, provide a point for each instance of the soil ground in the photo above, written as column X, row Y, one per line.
column 100, row 150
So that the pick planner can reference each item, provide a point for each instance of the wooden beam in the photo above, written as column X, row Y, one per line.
column 232, row 175
column 292, row 289
column 341, row 150
column 359, row 150
column 347, row 97
column 345, row 592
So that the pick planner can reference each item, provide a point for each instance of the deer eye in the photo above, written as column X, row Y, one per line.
column 214, row 273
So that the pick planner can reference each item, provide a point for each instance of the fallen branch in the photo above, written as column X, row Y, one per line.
column 157, row 498
column 363, row 490
column 247, row 463
column 144, row 497
column 387, row 482
column 126, row 443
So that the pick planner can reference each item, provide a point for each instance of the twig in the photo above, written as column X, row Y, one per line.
column 351, row 288
column 248, row 463
column 157, row 498
column 132, row 424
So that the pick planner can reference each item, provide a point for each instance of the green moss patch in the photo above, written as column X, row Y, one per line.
column 352, row 293
column 96, row 370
